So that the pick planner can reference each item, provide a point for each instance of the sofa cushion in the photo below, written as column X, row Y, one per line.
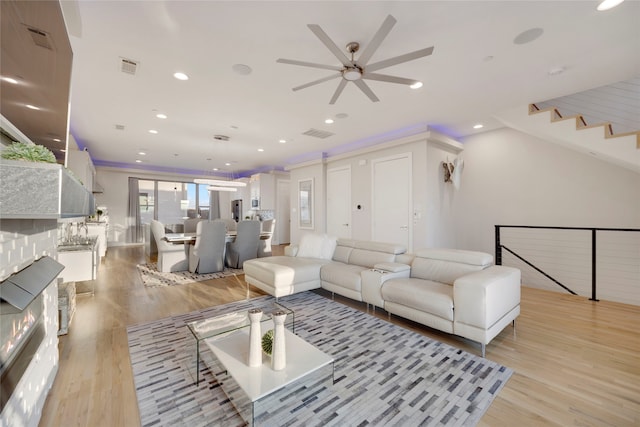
column 341, row 254
column 380, row 247
column 343, row 275
column 367, row 258
column 446, row 265
column 283, row 270
column 313, row 245
column 424, row 295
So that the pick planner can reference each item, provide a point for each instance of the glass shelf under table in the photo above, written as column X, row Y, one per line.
column 219, row 326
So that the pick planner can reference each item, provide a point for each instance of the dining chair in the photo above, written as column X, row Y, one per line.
column 190, row 224
column 231, row 224
column 264, row 247
column 245, row 245
column 171, row 257
column 207, row 254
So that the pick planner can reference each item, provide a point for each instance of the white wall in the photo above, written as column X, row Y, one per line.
column 433, row 224
column 513, row 178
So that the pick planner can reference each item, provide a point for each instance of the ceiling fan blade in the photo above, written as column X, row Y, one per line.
column 315, row 82
column 367, row 91
column 377, row 39
column 400, row 59
column 388, row 79
column 324, row 38
column 338, row 91
column 309, row 64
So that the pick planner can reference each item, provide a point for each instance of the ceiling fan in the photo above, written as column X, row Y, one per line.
column 357, row 71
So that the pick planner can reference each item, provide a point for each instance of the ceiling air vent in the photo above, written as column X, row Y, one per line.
column 221, row 137
column 128, row 66
column 40, row 38
column 119, row 127
column 322, row 134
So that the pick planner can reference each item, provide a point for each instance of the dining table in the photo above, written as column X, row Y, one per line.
column 190, row 238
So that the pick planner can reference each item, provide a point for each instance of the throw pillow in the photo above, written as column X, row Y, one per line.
column 313, row 245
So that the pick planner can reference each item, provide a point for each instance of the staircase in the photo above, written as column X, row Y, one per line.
column 574, row 132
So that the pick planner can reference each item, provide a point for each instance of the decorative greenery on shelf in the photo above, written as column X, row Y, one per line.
column 267, row 342
column 28, row 153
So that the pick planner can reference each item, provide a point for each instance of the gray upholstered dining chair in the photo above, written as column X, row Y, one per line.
column 171, row 257
column 264, row 247
column 231, row 224
column 207, row 254
column 245, row 245
column 190, row 224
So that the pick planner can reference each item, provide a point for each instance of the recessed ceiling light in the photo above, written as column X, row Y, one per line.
column 10, row 80
column 161, row 116
column 608, row 4
column 261, row 149
column 241, row 69
column 215, row 169
column 153, row 131
column 227, row 164
column 142, row 153
column 181, row 76
column 329, row 121
column 31, row 107
column 478, row 126
column 138, row 161
column 528, row 36
column 56, row 140
column 416, row 85
column 283, row 141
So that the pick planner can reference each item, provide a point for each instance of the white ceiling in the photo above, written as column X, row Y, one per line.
column 204, row 39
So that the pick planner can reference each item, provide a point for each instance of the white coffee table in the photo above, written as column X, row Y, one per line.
column 254, row 390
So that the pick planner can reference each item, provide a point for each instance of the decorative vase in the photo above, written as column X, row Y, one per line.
column 255, row 349
column 279, row 355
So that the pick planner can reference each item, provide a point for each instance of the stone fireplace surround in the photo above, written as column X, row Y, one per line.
column 23, row 241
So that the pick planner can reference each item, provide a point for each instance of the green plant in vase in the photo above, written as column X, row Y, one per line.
column 267, row 342
column 28, row 153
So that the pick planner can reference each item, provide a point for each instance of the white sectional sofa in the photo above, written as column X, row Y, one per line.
column 455, row 291
column 319, row 262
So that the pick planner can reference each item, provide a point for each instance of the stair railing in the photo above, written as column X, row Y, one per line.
column 499, row 247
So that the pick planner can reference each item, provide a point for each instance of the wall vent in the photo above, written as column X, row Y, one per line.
column 128, row 66
column 322, row 134
column 40, row 38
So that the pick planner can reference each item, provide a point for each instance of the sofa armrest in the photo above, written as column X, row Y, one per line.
column 373, row 279
column 391, row 267
column 482, row 298
column 291, row 250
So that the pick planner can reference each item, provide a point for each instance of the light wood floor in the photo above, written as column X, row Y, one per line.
column 576, row 362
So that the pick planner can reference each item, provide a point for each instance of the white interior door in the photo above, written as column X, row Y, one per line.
column 391, row 193
column 282, row 232
column 339, row 202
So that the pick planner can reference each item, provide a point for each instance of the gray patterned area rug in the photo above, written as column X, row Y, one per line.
column 384, row 374
column 153, row 278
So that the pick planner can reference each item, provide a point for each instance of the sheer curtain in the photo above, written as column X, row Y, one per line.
column 134, row 230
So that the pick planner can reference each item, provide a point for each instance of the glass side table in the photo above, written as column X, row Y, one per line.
column 225, row 324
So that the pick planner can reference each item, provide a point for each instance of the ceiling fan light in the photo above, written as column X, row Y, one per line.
column 352, row 74
column 416, row 85
column 608, row 4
